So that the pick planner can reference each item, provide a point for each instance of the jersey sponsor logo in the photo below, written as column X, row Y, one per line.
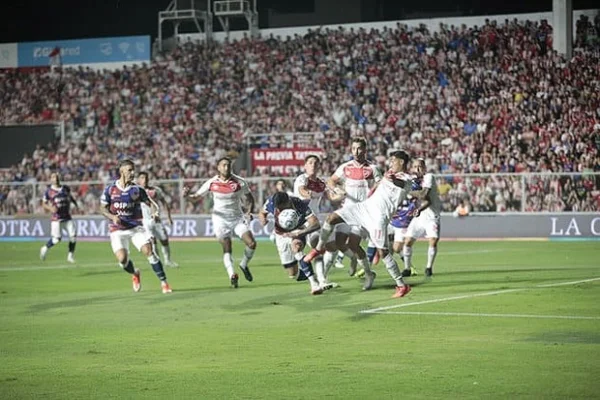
column 228, row 187
column 363, row 172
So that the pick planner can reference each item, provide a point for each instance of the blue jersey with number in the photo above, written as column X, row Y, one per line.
column 61, row 199
column 404, row 214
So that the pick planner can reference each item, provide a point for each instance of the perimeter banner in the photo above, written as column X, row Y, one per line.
column 548, row 226
column 282, row 158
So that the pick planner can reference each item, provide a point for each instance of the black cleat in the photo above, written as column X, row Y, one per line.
column 234, row 280
column 406, row 273
column 247, row 274
column 428, row 272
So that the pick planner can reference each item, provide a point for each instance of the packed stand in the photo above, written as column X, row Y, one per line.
column 490, row 99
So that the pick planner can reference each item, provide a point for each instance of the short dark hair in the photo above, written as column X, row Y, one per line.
column 144, row 173
column 360, row 139
column 402, row 155
column 308, row 157
column 282, row 181
column 280, row 199
column 126, row 161
column 223, row 159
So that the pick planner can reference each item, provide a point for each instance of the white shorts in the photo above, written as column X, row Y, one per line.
column 56, row 228
column 157, row 229
column 139, row 236
column 423, row 227
column 399, row 233
column 225, row 228
column 372, row 221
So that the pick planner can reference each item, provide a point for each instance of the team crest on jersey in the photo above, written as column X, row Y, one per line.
column 135, row 193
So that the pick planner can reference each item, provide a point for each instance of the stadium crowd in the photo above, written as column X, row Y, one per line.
column 488, row 99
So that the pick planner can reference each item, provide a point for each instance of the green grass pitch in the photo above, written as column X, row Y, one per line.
column 495, row 322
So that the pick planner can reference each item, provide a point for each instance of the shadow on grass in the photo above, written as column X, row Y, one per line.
column 82, row 302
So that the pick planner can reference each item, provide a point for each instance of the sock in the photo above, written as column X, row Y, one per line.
column 51, row 242
column 371, row 253
column 166, row 252
column 340, row 256
column 306, row 268
column 328, row 261
column 326, row 231
column 407, row 253
column 431, row 253
column 228, row 261
column 248, row 254
column 157, row 267
column 393, row 270
column 320, row 270
column 72, row 247
column 128, row 267
column 365, row 264
column 313, row 281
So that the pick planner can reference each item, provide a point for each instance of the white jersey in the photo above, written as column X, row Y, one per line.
column 317, row 188
column 387, row 197
column 227, row 195
column 435, row 205
column 357, row 179
column 156, row 194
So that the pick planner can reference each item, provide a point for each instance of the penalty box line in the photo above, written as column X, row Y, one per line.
column 387, row 309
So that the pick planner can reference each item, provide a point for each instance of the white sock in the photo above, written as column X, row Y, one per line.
column 328, row 258
column 248, row 254
column 313, row 282
column 431, row 253
column 166, row 252
column 299, row 256
column 364, row 263
column 341, row 254
column 320, row 270
column 393, row 270
column 228, row 261
column 407, row 253
column 326, row 231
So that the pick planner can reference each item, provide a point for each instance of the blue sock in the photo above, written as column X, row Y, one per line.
column 159, row 271
column 340, row 257
column 306, row 268
column 371, row 253
column 72, row 246
column 129, row 267
column 301, row 277
column 50, row 243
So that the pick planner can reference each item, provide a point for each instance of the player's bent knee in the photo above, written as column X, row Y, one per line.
column 146, row 249
column 56, row 240
column 397, row 247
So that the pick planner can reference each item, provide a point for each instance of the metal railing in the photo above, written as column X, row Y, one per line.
column 486, row 193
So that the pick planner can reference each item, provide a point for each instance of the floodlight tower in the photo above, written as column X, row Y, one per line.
column 225, row 9
column 178, row 11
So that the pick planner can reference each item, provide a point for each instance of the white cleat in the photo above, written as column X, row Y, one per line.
column 43, row 252
column 328, row 285
column 338, row 264
column 369, row 279
column 172, row 264
column 71, row 259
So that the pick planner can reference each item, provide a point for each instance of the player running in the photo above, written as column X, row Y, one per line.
column 310, row 188
column 290, row 243
column 57, row 200
column 374, row 215
column 121, row 203
column 154, row 224
column 427, row 219
column 230, row 194
column 356, row 177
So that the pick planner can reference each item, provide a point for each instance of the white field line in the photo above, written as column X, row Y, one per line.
column 461, row 314
column 384, row 310
column 199, row 260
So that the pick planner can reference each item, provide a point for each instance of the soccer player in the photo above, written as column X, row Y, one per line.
column 427, row 219
column 154, row 224
column 310, row 188
column 356, row 176
column 57, row 200
column 121, row 203
column 291, row 243
column 230, row 194
column 282, row 186
column 374, row 215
